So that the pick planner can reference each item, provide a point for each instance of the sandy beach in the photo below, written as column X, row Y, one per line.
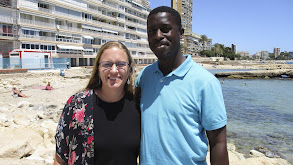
column 27, row 125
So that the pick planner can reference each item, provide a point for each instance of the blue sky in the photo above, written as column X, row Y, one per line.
column 253, row 25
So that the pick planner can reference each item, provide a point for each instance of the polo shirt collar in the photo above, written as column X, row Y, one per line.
column 180, row 71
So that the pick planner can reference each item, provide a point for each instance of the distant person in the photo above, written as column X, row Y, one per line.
column 101, row 124
column 223, row 81
column 18, row 93
column 182, row 106
column 49, row 86
column 68, row 64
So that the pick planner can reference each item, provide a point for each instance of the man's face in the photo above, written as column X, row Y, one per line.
column 163, row 35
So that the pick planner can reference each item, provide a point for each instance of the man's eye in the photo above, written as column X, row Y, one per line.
column 165, row 29
column 151, row 30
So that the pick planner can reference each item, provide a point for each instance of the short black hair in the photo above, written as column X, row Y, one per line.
column 168, row 10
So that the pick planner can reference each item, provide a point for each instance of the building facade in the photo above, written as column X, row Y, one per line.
column 234, row 48
column 191, row 43
column 277, row 52
column 74, row 29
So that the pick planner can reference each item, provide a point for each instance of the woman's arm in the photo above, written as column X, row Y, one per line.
column 58, row 160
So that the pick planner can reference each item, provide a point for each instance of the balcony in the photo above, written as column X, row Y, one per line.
column 6, row 19
column 39, row 23
column 45, row 10
column 68, row 28
column 45, row 38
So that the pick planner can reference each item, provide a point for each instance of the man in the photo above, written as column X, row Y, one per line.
column 181, row 104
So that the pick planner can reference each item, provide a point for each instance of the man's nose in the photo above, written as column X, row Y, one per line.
column 159, row 34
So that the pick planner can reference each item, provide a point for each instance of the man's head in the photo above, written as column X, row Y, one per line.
column 164, row 32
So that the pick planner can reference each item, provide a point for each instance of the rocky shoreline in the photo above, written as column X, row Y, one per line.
column 27, row 125
column 258, row 74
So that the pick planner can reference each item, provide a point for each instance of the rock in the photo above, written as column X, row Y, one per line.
column 256, row 153
column 23, row 103
column 21, row 120
column 44, row 154
column 23, row 161
column 4, row 109
column 18, row 142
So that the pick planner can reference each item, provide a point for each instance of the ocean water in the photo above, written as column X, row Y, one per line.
column 260, row 114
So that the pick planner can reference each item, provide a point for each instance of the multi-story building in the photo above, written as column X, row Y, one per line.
column 74, row 29
column 246, row 54
column 290, row 56
column 264, row 54
column 276, row 52
column 234, row 48
column 191, row 43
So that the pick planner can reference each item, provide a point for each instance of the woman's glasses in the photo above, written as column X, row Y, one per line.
column 121, row 65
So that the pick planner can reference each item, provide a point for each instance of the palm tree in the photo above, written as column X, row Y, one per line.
column 204, row 39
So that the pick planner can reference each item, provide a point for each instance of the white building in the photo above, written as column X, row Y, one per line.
column 74, row 29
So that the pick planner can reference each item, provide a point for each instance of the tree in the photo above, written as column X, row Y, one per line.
column 218, row 49
column 204, row 39
column 207, row 53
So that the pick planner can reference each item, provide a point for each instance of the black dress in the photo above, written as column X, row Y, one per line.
column 116, row 132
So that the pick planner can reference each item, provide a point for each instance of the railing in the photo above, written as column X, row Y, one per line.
column 70, row 28
column 45, row 10
column 45, row 38
column 102, row 34
column 27, row 21
column 6, row 19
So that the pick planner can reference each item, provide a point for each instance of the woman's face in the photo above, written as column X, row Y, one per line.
column 114, row 68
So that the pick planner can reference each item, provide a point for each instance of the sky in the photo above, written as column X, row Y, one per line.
column 252, row 25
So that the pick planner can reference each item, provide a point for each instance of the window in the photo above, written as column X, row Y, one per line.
column 27, row 46
column 45, row 6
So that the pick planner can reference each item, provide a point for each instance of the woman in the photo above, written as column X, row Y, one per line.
column 18, row 93
column 49, row 86
column 101, row 125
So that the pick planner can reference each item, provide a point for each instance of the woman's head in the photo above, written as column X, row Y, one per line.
column 112, row 68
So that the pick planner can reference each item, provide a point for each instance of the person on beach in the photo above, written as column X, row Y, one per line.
column 49, row 86
column 67, row 64
column 101, row 124
column 18, row 93
column 182, row 107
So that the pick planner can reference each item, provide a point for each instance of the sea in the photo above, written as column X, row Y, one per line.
column 260, row 114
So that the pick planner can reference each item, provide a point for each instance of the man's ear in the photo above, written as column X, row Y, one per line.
column 182, row 31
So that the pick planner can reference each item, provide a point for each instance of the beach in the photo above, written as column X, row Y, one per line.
column 28, row 125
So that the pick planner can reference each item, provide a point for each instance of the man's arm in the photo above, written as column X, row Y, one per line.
column 218, row 146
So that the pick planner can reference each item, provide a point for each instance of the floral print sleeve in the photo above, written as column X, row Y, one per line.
column 74, row 136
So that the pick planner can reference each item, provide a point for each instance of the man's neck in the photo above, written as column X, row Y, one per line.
column 168, row 65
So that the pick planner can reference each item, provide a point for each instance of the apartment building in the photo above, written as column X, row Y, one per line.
column 74, row 29
column 277, row 52
column 191, row 43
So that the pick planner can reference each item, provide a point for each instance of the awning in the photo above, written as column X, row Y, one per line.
column 88, row 50
column 91, row 28
column 88, row 37
column 70, row 47
column 110, row 31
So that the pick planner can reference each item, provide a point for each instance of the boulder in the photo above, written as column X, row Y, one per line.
column 18, row 142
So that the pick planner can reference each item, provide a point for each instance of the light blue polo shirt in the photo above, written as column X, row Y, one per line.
column 176, row 110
